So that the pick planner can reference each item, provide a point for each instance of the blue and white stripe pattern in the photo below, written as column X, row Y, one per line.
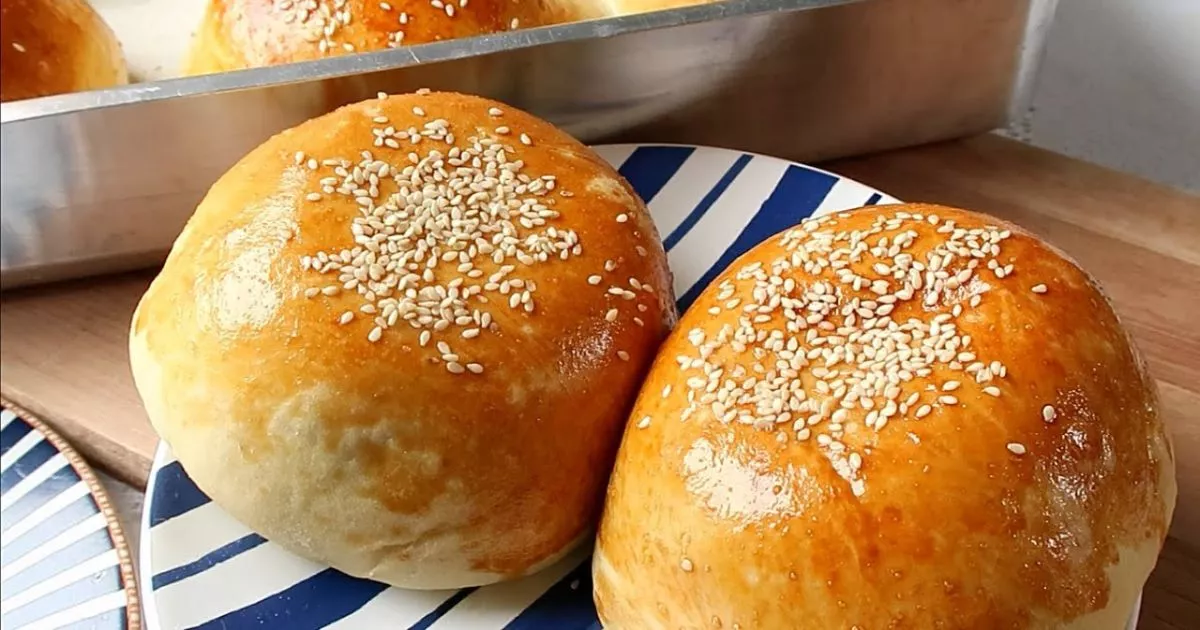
column 205, row 570
column 59, row 567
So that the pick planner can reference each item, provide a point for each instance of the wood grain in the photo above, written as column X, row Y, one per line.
column 64, row 358
column 64, row 350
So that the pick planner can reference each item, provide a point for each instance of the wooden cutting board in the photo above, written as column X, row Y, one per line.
column 64, row 352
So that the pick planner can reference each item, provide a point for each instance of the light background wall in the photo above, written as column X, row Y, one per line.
column 1120, row 86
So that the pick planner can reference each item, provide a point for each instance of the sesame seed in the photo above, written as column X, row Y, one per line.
column 621, row 218
column 1039, row 288
column 644, row 422
column 495, row 111
column 525, row 140
column 346, row 318
column 1016, row 448
column 401, row 276
column 622, row 355
column 1049, row 413
column 475, row 368
column 503, row 131
column 611, row 315
column 824, row 309
column 454, row 367
column 686, row 565
column 594, row 280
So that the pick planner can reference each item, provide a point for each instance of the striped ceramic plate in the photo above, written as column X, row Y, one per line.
column 206, row 570
column 64, row 562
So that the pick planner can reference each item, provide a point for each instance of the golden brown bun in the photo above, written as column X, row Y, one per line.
column 54, row 47
column 979, row 514
column 239, row 34
column 354, row 444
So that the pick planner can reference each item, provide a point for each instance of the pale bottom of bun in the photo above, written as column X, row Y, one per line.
column 268, row 493
column 626, row 607
column 1126, row 578
column 445, row 576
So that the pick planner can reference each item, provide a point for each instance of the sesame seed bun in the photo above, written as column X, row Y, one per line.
column 413, row 363
column 851, row 429
column 239, row 34
column 55, row 47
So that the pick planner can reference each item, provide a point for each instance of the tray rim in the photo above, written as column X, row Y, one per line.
column 409, row 56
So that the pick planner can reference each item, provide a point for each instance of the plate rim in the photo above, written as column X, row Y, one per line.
column 753, row 154
column 116, row 532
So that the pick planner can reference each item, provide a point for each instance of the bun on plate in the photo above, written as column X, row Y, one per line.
column 54, row 47
column 239, row 34
column 403, row 338
column 899, row 417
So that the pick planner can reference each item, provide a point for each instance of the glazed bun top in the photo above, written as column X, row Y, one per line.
column 238, row 34
column 55, row 47
column 898, row 417
column 402, row 339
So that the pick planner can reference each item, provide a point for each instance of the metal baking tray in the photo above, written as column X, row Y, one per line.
column 103, row 181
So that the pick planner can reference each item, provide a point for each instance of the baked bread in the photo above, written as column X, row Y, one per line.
column 834, row 438
column 54, row 47
column 239, row 34
column 402, row 339
column 630, row 7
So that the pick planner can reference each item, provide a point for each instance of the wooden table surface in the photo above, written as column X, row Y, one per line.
column 64, row 346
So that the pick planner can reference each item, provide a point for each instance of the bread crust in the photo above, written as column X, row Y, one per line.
column 240, row 34
column 1042, row 506
column 55, row 47
column 374, row 448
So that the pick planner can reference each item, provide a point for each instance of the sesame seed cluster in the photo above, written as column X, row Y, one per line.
column 448, row 235
column 322, row 20
column 850, row 333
